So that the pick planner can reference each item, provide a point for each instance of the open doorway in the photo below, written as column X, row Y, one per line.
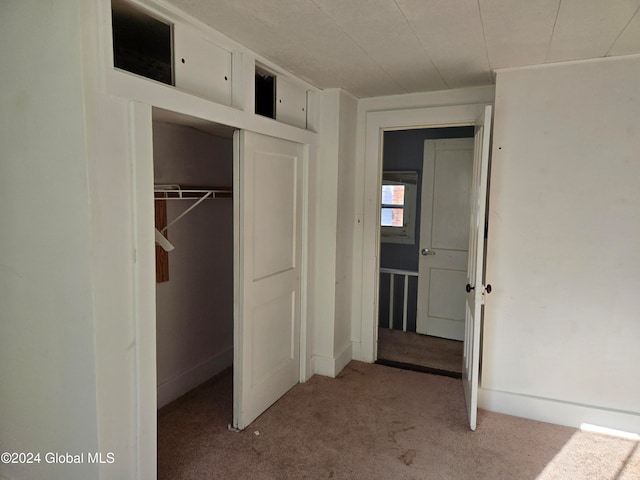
column 426, row 182
column 379, row 122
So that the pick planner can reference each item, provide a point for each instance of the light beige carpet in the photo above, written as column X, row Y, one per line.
column 376, row 422
column 423, row 350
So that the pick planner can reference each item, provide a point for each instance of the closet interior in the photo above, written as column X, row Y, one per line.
column 193, row 176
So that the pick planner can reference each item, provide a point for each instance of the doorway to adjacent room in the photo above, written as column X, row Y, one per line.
column 425, row 192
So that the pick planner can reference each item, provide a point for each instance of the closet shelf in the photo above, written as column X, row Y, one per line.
column 178, row 192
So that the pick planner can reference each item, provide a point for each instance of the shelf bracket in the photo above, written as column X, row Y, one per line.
column 204, row 197
column 174, row 192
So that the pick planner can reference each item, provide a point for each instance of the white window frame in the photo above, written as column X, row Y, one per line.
column 406, row 234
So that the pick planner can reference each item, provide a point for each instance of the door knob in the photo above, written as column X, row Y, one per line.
column 468, row 288
column 426, row 251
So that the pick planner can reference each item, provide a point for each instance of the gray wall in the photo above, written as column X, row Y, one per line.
column 403, row 150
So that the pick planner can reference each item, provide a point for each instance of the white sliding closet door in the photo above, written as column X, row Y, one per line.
column 268, row 219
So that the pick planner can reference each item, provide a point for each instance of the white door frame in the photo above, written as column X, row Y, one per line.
column 144, row 282
column 144, row 288
column 376, row 124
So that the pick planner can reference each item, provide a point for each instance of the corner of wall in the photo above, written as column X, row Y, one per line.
column 331, row 367
column 176, row 386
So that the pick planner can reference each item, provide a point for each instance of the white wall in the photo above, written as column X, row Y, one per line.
column 324, row 191
column 112, row 260
column 47, row 350
column 194, row 309
column 561, row 326
column 345, row 226
column 332, row 178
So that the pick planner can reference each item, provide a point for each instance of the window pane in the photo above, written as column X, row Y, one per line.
column 393, row 194
column 392, row 217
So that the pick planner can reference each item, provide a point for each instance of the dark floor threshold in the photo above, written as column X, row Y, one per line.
column 418, row 368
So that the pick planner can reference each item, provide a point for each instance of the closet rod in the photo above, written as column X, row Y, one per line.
column 176, row 192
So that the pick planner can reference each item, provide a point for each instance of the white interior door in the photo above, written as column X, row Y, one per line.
column 267, row 209
column 475, row 272
column 444, row 237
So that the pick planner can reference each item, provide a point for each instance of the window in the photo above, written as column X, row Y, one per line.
column 398, row 207
column 392, row 204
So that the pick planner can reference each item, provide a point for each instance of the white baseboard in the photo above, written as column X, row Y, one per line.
column 180, row 384
column 558, row 412
column 344, row 357
column 356, row 351
column 331, row 367
column 322, row 365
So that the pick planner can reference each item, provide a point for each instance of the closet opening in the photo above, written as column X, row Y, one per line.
column 193, row 198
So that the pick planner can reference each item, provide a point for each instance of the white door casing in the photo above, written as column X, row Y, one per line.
column 268, row 220
column 368, row 264
column 475, row 271
column 444, row 237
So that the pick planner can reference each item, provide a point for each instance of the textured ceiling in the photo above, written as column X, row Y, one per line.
column 383, row 47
